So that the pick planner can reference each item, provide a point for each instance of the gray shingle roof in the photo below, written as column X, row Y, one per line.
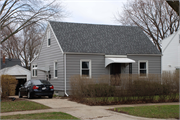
column 108, row 39
column 10, row 63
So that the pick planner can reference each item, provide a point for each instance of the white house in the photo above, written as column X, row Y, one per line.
column 21, row 74
column 171, row 52
column 17, row 71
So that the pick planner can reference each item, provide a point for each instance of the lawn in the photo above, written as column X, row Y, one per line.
column 10, row 106
column 155, row 111
column 50, row 115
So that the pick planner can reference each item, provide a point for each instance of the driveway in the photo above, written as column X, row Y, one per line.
column 86, row 112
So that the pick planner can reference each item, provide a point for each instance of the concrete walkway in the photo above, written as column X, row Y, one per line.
column 85, row 112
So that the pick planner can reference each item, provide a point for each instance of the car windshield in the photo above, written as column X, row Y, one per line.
column 40, row 82
column 45, row 82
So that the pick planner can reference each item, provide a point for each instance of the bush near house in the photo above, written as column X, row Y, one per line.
column 126, row 88
column 8, row 85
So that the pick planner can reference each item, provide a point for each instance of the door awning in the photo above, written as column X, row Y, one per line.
column 46, row 69
column 117, row 60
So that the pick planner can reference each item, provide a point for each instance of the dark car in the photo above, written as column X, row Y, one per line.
column 36, row 88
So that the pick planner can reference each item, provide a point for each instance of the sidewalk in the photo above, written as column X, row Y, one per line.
column 86, row 112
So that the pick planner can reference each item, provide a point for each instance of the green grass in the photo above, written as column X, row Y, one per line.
column 10, row 106
column 50, row 115
column 155, row 111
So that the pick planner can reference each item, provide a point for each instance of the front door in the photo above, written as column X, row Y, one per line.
column 115, row 69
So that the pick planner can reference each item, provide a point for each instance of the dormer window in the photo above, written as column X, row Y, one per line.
column 48, row 38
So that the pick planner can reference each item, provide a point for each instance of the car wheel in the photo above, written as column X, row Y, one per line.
column 20, row 96
column 50, row 96
column 29, row 95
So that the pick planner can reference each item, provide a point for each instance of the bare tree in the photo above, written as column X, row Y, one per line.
column 155, row 17
column 30, row 43
column 10, row 48
column 22, row 13
column 24, row 45
column 22, row 23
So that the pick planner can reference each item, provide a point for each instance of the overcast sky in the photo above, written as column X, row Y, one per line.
column 93, row 11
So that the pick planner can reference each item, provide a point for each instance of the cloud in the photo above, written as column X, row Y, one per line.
column 91, row 11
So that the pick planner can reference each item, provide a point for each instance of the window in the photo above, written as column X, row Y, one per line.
column 34, row 71
column 85, row 68
column 55, row 69
column 143, row 68
column 48, row 38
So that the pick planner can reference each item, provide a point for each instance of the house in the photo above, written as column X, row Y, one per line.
column 71, row 49
column 171, row 52
column 9, row 62
column 21, row 74
column 13, row 67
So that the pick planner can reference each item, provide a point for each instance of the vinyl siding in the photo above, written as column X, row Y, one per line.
column 98, row 63
column 47, row 57
column 73, row 66
column 154, row 63
column 171, row 52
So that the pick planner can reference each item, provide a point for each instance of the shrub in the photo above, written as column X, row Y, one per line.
column 86, row 87
column 126, row 88
column 100, row 90
column 8, row 84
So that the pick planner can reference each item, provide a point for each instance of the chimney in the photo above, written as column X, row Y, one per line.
column 3, row 59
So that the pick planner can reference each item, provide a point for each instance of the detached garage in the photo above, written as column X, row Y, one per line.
column 21, row 74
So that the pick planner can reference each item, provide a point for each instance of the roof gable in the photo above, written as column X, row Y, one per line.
column 168, row 40
column 15, row 70
column 107, row 39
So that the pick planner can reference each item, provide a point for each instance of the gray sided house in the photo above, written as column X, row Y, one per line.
column 70, row 49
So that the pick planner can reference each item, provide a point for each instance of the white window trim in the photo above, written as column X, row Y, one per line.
column 86, row 60
column 48, row 36
column 147, row 67
column 33, row 70
column 54, row 69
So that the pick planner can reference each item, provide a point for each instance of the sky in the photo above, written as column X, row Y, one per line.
column 93, row 11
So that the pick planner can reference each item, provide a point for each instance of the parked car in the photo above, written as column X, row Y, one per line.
column 36, row 88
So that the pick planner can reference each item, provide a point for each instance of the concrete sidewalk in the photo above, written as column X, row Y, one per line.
column 85, row 112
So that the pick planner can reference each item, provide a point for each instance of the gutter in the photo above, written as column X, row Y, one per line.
column 65, row 92
column 84, row 53
column 147, row 54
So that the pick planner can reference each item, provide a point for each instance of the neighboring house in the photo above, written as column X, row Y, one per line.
column 171, row 52
column 71, row 49
column 9, row 62
column 21, row 74
column 17, row 71
column 13, row 67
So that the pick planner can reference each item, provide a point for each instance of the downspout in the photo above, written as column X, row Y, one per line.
column 65, row 75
